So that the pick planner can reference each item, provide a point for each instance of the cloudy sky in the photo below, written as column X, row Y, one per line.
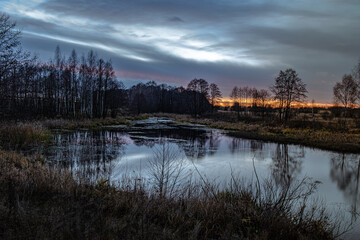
column 227, row 42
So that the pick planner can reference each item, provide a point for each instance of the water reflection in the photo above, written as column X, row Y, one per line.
column 255, row 147
column 88, row 154
column 91, row 154
column 196, row 143
column 113, row 153
column 345, row 171
column 286, row 165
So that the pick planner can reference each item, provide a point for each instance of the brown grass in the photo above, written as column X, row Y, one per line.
column 23, row 135
column 334, row 138
column 38, row 202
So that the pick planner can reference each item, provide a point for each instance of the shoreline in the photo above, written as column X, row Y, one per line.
column 320, row 139
column 324, row 140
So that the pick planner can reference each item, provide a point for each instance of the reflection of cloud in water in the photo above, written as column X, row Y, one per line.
column 130, row 157
column 115, row 153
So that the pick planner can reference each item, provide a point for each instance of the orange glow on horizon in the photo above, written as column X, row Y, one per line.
column 227, row 102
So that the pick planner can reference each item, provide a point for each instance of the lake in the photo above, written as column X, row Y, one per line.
column 118, row 151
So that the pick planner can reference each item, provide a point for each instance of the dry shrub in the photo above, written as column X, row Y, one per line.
column 22, row 135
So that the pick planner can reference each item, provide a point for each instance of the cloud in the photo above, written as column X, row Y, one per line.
column 175, row 19
column 229, row 42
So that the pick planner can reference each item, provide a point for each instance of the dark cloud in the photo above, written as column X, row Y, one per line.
column 176, row 19
column 227, row 42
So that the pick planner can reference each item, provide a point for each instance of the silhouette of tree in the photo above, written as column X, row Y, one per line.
column 199, row 89
column 346, row 92
column 288, row 89
column 263, row 96
column 236, row 98
column 9, row 45
column 215, row 94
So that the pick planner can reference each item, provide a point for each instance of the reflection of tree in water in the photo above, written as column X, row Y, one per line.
column 256, row 147
column 345, row 171
column 214, row 141
column 286, row 165
column 144, row 142
column 196, row 143
column 88, row 154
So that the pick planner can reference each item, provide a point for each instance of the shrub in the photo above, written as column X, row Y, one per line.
column 22, row 135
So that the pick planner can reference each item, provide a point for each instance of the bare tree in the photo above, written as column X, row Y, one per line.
column 199, row 85
column 246, row 95
column 264, row 97
column 346, row 92
column 288, row 89
column 11, row 56
column 73, row 66
column 9, row 44
column 235, row 97
column 167, row 169
column 109, row 84
column 200, row 93
column 215, row 94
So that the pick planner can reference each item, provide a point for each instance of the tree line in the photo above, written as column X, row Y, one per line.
column 287, row 90
column 347, row 91
column 198, row 98
column 68, row 87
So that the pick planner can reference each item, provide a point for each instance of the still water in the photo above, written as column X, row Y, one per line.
column 118, row 150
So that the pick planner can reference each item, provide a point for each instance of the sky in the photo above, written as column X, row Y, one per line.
column 230, row 43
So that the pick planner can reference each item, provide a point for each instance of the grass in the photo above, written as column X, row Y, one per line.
column 23, row 135
column 39, row 202
column 89, row 124
column 328, row 137
column 324, row 138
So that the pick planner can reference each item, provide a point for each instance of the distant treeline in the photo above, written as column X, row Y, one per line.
column 87, row 87
column 66, row 87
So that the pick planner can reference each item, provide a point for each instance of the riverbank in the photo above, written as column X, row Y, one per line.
column 38, row 201
column 23, row 134
column 322, row 139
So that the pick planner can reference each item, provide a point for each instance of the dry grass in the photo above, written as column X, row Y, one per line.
column 89, row 124
column 38, row 202
column 332, row 138
column 23, row 135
